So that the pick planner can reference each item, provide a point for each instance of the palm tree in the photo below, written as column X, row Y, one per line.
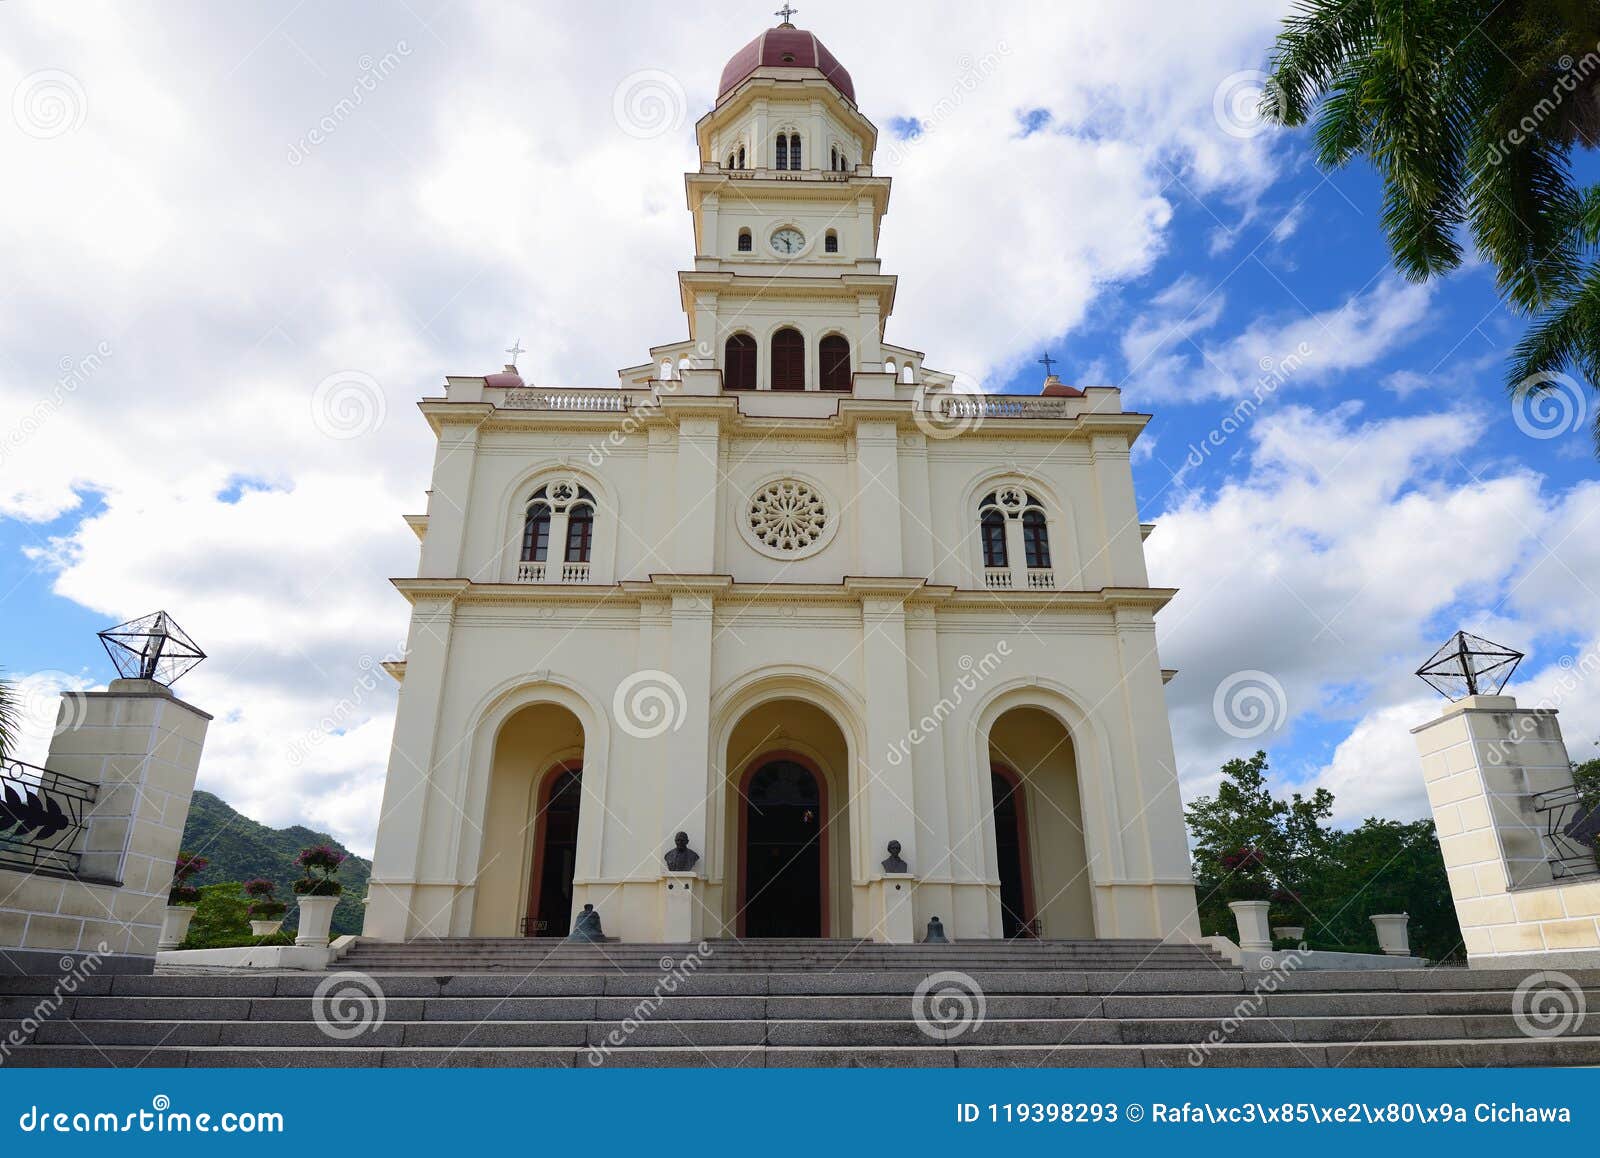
column 1469, row 110
column 10, row 716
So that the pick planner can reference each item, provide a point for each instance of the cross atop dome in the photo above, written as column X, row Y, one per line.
column 786, row 11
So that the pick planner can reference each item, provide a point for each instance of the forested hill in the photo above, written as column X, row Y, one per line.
column 241, row 849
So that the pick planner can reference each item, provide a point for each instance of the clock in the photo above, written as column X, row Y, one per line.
column 788, row 241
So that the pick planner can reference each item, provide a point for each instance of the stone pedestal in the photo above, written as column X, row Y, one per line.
column 1485, row 762
column 893, row 920
column 139, row 745
column 681, row 905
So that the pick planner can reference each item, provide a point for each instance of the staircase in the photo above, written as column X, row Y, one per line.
column 775, row 955
column 757, row 1004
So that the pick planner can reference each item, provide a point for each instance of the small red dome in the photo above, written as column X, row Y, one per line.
column 786, row 47
column 1057, row 389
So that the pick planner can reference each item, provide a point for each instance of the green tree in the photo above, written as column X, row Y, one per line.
column 1330, row 881
column 1291, row 835
column 1469, row 110
column 10, row 716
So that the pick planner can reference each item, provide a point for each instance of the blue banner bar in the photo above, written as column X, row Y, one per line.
column 778, row 1112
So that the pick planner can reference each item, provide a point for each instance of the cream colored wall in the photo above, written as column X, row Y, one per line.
column 533, row 742
column 765, row 733
column 1035, row 746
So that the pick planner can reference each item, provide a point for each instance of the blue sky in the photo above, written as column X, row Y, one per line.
column 195, row 269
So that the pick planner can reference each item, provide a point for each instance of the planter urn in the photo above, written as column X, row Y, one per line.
column 1393, row 936
column 1255, row 935
column 175, row 926
column 316, row 919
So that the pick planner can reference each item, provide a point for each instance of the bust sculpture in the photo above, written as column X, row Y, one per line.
column 681, row 858
column 892, row 863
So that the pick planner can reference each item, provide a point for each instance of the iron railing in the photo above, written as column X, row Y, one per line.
column 41, row 818
column 1571, row 822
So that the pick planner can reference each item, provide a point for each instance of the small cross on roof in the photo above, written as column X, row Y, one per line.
column 1047, row 361
column 515, row 350
column 786, row 11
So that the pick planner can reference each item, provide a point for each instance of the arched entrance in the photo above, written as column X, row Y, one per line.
column 1038, row 826
column 786, row 823
column 529, row 827
column 555, row 854
column 784, row 879
column 1011, row 854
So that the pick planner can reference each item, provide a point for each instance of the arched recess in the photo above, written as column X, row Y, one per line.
column 603, row 542
column 833, row 362
column 528, row 836
column 788, row 710
column 1023, row 748
column 788, row 358
column 739, row 362
column 469, row 779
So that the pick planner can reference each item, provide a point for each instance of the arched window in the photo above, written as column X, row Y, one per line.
column 730, row 160
column 580, row 532
column 834, row 362
column 788, row 360
column 908, row 373
column 557, row 505
column 739, row 363
column 833, row 157
column 536, row 532
column 844, row 163
column 744, row 241
column 1035, row 538
column 794, row 150
column 666, row 370
column 992, row 528
column 783, row 150
column 830, row 241
column 741, row 157
column 888, row 366
column 997, row 510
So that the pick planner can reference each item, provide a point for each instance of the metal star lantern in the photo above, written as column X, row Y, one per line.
column 152, row 647
column 1469, row 666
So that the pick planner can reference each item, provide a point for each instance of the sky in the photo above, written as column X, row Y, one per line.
column 241, row 240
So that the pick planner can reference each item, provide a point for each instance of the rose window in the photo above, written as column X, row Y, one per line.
column 788, row 516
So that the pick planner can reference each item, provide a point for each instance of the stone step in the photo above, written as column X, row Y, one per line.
column 799, row 1006
column 1444, row 1052
column 901, row 1032
column 32, row 991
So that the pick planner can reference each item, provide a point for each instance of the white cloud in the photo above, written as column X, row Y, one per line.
column 1351, row 545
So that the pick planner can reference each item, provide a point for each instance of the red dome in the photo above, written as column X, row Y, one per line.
column 785, row 47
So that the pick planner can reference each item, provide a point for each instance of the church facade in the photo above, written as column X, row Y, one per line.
column 784, row 590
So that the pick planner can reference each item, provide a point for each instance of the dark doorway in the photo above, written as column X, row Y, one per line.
column 555, row 855
column 782, row 852
column 1016, row 900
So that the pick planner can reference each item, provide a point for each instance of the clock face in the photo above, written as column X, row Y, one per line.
column 788, row 241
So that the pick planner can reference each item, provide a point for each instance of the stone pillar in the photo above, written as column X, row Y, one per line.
column 1121, row 563
column 450, row 496
column 688, row 746
column 1484, row 760
column 879, row 514
column 406, row 897
column 694, row 539
column 140, row 746
column 891, row 905
column 888, row 790
column 681, row 907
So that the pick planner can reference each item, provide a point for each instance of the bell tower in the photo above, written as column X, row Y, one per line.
column 786, row 292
